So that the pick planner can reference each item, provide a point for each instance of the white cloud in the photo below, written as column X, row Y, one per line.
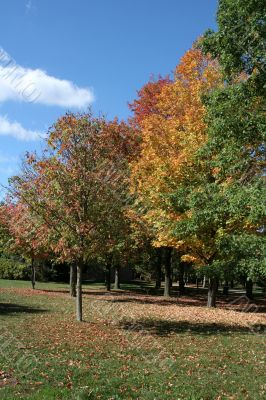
column 36, row 86
column 16, row 130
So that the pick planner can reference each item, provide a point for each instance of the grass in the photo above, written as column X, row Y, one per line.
column 131, row 345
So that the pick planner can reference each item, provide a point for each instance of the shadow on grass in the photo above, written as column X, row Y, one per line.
column 199, row 302
column 9, row 308
column 193, row 297
column 94, row 292
column 165, row 328
column 91, row 292
column 238, row 303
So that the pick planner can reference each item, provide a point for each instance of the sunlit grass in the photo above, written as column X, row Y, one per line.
column 129, row 347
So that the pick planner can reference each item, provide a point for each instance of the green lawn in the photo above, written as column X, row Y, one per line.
column 131, row 346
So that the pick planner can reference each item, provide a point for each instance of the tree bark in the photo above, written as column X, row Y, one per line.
column 108, row 277
column 167, row 266
column 158, row 269
column 197, row 282
column 171, row 281
column 226, row 288
column 212, row 292
column 249, row 289
column 73, row 281
column 181, row 283
column 158, row 278
column 117, row 278
column 204, row 282
column 33, row 273
column 79, row 292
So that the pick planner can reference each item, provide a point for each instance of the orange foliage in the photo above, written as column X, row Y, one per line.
column 170, row 138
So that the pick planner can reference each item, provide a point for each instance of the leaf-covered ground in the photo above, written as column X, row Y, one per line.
column 131, row 346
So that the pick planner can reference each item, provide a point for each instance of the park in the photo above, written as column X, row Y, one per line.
column 132, row 244
column 131, row 345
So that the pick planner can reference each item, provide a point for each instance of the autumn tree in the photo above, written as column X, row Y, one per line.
column 28, row 235
column 4, row 230
column 170, row 138
column 120, row 145
column 69, row 190
column 146, row 103
column 12, row 265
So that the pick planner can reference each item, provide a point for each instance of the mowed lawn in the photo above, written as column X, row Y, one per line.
column 132, row 345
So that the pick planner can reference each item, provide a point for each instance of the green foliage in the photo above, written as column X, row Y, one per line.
column 240, row 43
column 197, row 174
column 4, row 236
column 12, row 268
column 222, row 202
column 215, row 220
column 236, row 129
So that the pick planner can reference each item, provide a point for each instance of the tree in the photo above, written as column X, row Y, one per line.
column 234, row 151
column 148, row 100
column 239, row 43
column 28, row 236
column 220, row 205
column 68, row 187
column 170, row 138
column 4, row 231
column 11, row 263
column 73, row 280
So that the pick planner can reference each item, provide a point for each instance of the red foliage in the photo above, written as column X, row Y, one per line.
column 146, row 103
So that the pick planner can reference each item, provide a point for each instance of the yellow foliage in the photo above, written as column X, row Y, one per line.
column 170, row 138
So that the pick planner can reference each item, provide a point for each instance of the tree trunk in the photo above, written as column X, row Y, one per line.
column 73, row 281
column 79, row 292
column 158, row 269
column 226, row 288
column 186, row 279
column 181, row 283
column 108, row 277
column 212, row 292
column 33, row 273
column 167, row 266
column 204, row 282
column 117, row 278
column 232, row 284
column 171, row 281
column 249, row 289
column 158, row 278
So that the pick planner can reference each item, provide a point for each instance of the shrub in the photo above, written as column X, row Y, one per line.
column 12, row 268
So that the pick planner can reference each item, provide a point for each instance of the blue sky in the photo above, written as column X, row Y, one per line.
column 64, row 55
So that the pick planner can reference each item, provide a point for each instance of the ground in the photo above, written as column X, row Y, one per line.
column 132, row 345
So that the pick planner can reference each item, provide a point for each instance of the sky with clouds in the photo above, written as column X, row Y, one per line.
column 68, row 55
